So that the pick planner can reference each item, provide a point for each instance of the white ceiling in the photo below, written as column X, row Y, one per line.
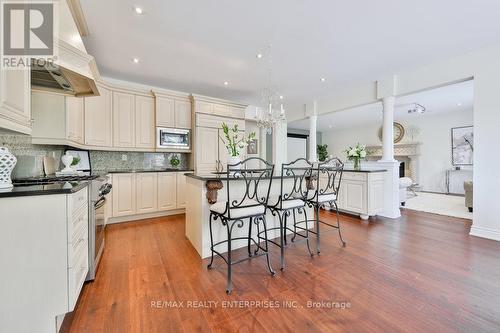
column 194, row 46
column 453, row 98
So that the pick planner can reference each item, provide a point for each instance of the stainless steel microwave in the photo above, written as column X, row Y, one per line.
column 173, row 138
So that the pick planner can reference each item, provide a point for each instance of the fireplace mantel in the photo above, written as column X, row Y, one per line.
column 404, row 149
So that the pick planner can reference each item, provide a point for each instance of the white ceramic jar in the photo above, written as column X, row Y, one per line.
column 7, row 163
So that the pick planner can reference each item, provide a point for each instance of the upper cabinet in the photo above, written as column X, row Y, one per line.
column 123, row 120
column 144, row 122
column 172, row 109
column 75, row 127
column 218, row 107
column 98, row 119
column 15, row 94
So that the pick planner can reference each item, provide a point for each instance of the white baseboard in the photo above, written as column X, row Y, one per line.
column 482, row 232
column 129, row 218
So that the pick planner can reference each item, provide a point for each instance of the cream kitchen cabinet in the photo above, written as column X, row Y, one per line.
column 361, row 193
column 144, row 122
column 182, row 114
column 181, row 190
column 207, row 151
column 147, row 192
column 15, row 103
column 123, row 120
column 75, row 126
column 98, row 119
column 167, row 191
column 124, row 194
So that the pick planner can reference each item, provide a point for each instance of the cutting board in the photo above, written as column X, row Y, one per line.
column 49, row 165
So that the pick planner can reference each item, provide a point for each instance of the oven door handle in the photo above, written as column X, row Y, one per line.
column 99, row 203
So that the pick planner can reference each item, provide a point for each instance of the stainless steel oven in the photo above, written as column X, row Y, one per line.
column 97, row 222
column 173, row 138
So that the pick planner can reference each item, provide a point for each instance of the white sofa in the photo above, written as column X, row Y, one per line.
column 404, row 183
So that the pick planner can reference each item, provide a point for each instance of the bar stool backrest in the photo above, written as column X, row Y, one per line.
column 256, row 180
column 301, row 171
column 329, row 175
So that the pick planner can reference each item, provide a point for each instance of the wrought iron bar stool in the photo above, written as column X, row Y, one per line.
column 328, row 177
column 250, row 206
column 291, row 200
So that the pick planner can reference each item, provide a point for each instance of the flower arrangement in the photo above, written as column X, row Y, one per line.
column 356, row 154
column 234, row 141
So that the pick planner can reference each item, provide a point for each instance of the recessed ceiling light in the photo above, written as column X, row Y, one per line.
column 259, row 55
column 281, row 96
column 138, row 10
column 459, row 104
column 330, row 126
column 135, row 60
column 226, row 83
column 322, row 79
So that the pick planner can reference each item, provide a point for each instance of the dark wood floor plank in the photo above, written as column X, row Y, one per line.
column 420, row 273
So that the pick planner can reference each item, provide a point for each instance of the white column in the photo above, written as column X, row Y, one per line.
column 312, row 134
column 279, row 146
column 388, row 129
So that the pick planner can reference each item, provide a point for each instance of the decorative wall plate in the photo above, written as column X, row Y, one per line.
column 399, row 132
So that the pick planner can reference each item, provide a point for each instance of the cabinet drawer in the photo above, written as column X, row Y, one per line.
column 78, row 222
column 77, row 248
column 76, row 278
column 354, row 176
column 79, row 199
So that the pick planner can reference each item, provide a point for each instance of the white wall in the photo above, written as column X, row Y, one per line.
column 434, row 136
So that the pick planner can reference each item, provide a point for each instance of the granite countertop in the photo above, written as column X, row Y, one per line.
column 222, row 175
column 104, row 172
column 31, row 190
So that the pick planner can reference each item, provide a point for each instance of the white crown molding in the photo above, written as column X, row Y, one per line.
column 76, row 11
column 217, row 101
column 160, row 92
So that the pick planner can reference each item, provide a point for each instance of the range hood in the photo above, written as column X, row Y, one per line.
column 73, row 72
column 62, row 80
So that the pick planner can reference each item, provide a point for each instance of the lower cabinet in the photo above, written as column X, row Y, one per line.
column 124, row 197
column 148, row 192
column 167, row 190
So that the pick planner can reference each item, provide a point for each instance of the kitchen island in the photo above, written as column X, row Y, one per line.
column 361, row 192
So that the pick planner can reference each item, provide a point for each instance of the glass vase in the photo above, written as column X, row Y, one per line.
column 357, row 164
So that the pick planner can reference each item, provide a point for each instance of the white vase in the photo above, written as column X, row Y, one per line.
column 67, row 160
column 7, row 164
column 234, row 160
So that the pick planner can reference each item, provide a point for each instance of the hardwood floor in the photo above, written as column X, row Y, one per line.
column 420, row 273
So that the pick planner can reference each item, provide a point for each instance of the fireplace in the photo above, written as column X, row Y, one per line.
column 407, row 154
column 402, row 170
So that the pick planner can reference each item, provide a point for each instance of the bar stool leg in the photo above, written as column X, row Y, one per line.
column 285, row 222
column 229, row 265
column 307, row 233
column 338, row 224
column 267, row 247
column 249, row 236
column 211, row 242
column 317, row 229
column 294, row 226
column 282, row 245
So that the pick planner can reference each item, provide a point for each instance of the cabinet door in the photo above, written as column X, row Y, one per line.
column 144, row 122
column 182, row 114
column 223, row 152
column 222, row 110
column 167, row 191
column 355, row 196
column 207, row 139
column 124, row 202
column 147, row 192
column 15, row 105
column 181, row 190
column 204, row 107
column 98, row 119
column 75, row 126
column 165, row 112
column 123, row 120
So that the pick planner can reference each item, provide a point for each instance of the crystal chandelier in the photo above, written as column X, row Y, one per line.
column 273, row 112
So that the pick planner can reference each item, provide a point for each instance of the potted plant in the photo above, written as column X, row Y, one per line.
column 235, row 142
column 74, row 163
column 175, row 161
column 356, row 154
column 322, row 152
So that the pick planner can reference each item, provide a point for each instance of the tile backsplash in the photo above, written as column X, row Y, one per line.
column 30, row 157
